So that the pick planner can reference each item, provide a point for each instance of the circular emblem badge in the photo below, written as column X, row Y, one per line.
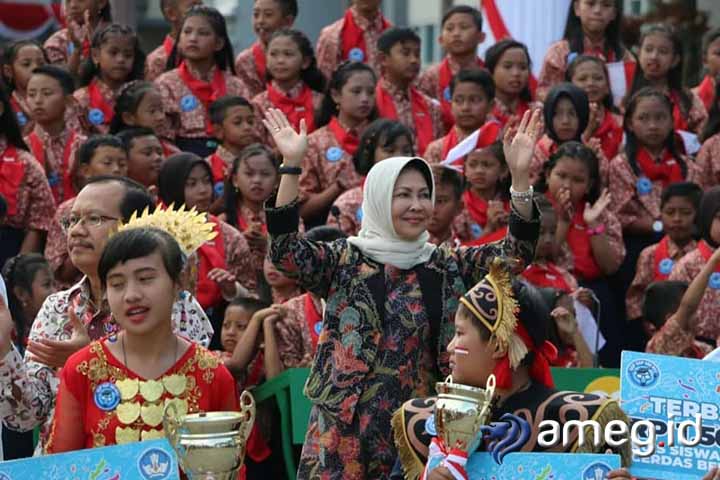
column 106, row 396
column 333, row 154
column 318, row 327
column 156, row 464
column 188, row 103
column 665, row 266
column 643, row 373
column 446, row 94
column 96, row 116
column 219, row 189
column 359, row 214
column 657, row 226
column 476, row 230
column 53, row 179
column 596, row 470
column 356, row 55
column 714, row 281
column 644, row 186
column 21, row 119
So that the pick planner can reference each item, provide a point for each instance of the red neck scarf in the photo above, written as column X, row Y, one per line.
column 217, row 165
column 706, row 252
column 243, row 224
column 476, row 207
column 205, row 92
column 12, row 171
column 662, row 262
column 37, row 148
column 296, row 108
column 666, row 171
column 212, row 255
column 98, row 102
column 706, row 91
column 420, row 112
column 168, row 45
column 502, row 117
column 610, row 135
column 348, row 141
column 679, row 118
column 495, row 236
column 260, row 61
column 539, row 370
column 352, row 37
column 313, row 317
column 445, row 76
column 578, row 240
column 546, row 275
column 489, row 133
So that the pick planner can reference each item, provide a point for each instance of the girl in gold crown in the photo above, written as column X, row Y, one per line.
column 114, row 390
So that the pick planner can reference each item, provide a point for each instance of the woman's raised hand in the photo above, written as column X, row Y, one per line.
column 519, row 147
column 291, row 144
column 592, row 214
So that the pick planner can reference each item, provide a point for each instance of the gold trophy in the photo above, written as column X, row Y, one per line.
column 460, row 411
column 210, row 446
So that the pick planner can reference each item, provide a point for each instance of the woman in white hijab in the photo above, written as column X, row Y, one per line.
column 391, row 297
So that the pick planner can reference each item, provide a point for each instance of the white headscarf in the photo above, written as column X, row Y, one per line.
column 377, row 238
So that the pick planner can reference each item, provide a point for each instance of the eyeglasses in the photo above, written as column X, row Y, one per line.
column 91, row 220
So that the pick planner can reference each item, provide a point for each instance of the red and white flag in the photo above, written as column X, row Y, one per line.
column 25, row 19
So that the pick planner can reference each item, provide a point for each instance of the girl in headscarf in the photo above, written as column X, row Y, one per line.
column 689, row 267
column 391, row 297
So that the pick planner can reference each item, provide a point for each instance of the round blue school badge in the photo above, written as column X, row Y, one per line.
column 96, row 116
column 333, row 154
column 657, row 226
column 318, row 327
column 446, row 94
column 21, row 119
column 596, row 470
column 714, row 281
column 430, row 426
column 155, row 464
column 188, row 103
column 571, row 56
column 106, row 396
column 476, row 230
column 53, row 179
column 356, row 55
column 643, row 373
column 70, row 48
column 665, row 266
column 219, row 189
column 644, row 186
column 359, row 214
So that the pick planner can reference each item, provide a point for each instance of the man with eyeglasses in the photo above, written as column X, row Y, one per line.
column 70, row 319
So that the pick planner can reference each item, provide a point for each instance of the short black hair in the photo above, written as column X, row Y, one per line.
column 289, row 8
column 381, row 132
column 140, row 242
column 130, row 135
column 60, row 74
column 479, row 77
column 709, row 38
column 689, row 190
column 709, row 207
column 464, row 9
column 87, row 150
column 661, row 300
column 449, row 176
column 137, row 199
column 395, row 35
column 250, row 304
column 218, row 109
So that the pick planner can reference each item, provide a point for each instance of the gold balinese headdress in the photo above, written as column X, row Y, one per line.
column 189, row 228
column 492, row 302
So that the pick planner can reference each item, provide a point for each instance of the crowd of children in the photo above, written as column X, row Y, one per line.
column 628, row 188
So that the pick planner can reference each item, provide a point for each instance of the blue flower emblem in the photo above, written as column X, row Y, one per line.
column 96, row 116
column 333, row 154
column 665, row 266
column 21, row 119
column 446, row 94
column 219, row 189
column 318, row 327
column 644, row 186
column 571, row 56
column 476, row 230
column 188, row 103
column 54, row 179
column 715, row 281
column 356, row 55
column 106, row 396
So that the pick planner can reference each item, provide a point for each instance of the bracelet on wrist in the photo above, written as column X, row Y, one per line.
column 288, row 170
column 525, row 196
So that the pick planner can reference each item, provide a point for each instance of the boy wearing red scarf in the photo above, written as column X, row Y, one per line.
column 679, row 206
column 471, row 96
column 501, row 330
column 354, row 37
column 396, row 97
column 448, row 204
column 173, row 11
column 460, row 36
column 711, row 61
column 268, row 16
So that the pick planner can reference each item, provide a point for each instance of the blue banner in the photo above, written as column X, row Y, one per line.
column 542, row 466
column 677, row 395
column 149, row 460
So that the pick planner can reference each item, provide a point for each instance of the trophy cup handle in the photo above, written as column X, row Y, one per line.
column 247, row 409
column 170, row 423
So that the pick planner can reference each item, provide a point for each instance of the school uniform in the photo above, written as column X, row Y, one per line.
column 96, row 107
column 186, row 100
column 346, row 212
column 56, row 155
column 251, row 68
column 21, row 109
column 353, row 38
column 30, row 205
column 56, row 245
column 58, row 46
column 156, row 61
column 504, row 113
column 705, row 91
column 420, row 113
column 707, row 163
column 654, row 264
